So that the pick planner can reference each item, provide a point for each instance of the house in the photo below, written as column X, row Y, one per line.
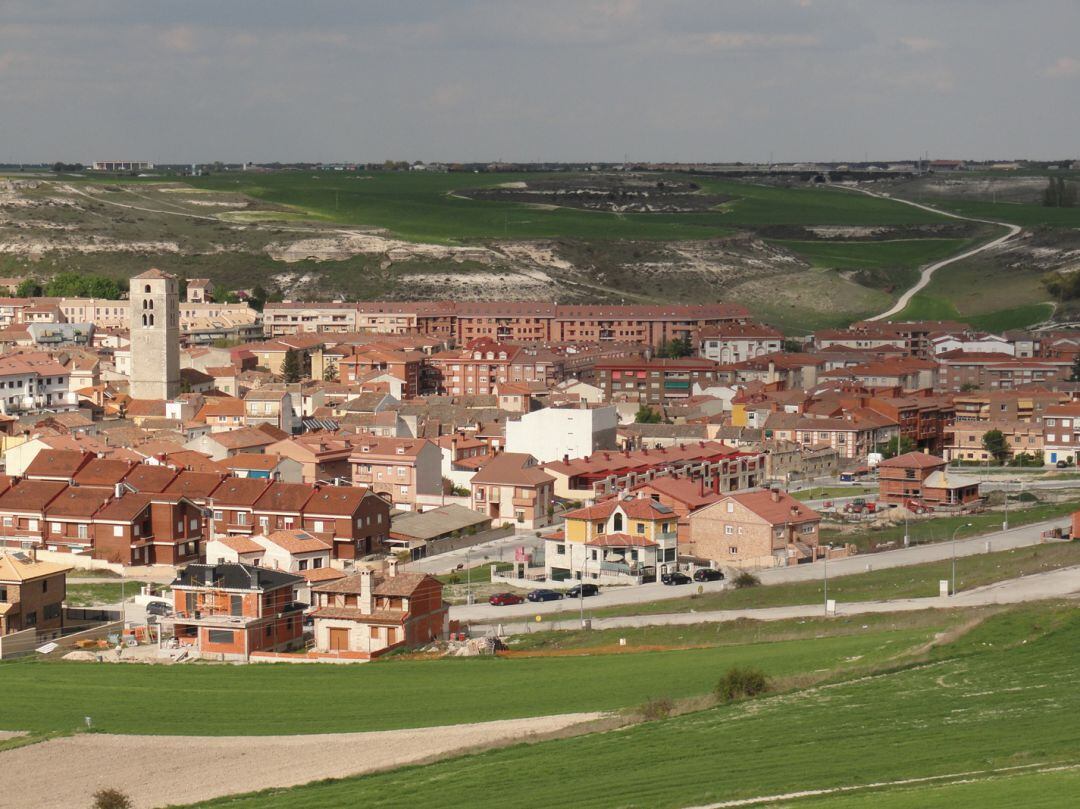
column 1061, row 433
column 735, row 342
column 32, row 594
column 138, row 528
column 401, row 468
column 263, row 465
column 762, row 528
column 682, row 495
column 221, row 445
column 200, row 290
column 1021, row 437
column 273, row 407
column 921, row 476
column 368, row 613
column 353, row 519
column 653, row 381
column 61, row 465
column 22, row 511
column 227, row 611
column 417, row 532
column 223, row 413
column 320, row 456
column 294, row 551
column 512, row 488
column 629, row 539
column 553, row 432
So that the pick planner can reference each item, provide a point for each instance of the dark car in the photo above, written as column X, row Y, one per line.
column 505, row 599
column 583, row 591
column 158, row 608
column 544, row 595
column 675, row 578
column 707, row 574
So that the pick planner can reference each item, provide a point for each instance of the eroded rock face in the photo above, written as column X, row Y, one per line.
column 344, row 244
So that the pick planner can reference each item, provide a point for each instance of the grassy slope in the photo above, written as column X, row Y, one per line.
column 1004, row 695
column 82, row 595
column 203, row 699
column 914, row 581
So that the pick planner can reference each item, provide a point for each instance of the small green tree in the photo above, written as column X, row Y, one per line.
column 897, row 445
column 994, row 443
column 291, row 368
column 647, row 415
column 330, row 373
column 28, row 288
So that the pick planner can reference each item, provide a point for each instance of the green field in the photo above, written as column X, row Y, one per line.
column 1002, row 696
column 44, row 697
column 421, row 207
column 1014, row 213
column 109, row 592
column 913, row 581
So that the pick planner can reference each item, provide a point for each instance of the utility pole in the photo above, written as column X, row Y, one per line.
column 952, row 591
column 581, row 587
column 826, row 582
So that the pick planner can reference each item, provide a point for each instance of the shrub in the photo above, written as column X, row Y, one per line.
column 746, row 579
column 1027, row 497
column 657, row 709
column 111, row 799
column 738, row 683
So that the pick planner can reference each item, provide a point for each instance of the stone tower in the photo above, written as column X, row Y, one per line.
column 155, row 336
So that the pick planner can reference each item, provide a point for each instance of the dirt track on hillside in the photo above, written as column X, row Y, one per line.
column 161, row 770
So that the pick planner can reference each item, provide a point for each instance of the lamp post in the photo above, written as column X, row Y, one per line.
column 954, row 533
column 1005, row 525
column 468, row 576
column 581, row 588
column 826, row 583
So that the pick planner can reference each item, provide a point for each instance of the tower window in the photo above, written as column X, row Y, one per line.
column 146, row 289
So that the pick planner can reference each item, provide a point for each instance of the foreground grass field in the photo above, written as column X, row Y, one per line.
column 220, row 700
column 1003, row 695
column 913, row 581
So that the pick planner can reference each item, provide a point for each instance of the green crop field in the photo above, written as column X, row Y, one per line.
column 45, row 696
column 1000, row 697
column 912, row 581
column 422, row 207
column 885, row 254
column 1014, row 213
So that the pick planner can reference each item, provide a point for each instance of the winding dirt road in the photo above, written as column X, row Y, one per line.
column 928, row 271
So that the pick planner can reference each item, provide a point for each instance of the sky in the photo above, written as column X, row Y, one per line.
column 538, row 80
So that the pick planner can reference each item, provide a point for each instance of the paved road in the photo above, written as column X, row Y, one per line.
column 613, row 596
column 1054, row 584
column 928, row 272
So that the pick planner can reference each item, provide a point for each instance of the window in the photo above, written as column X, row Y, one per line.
column 225, row 636
column 7, row 522
column 44, row 585
column 640, row 528
column 51, row 611
column 217, row 515
column 193, row 523
column 82, row 530
column 303, row 564
column 236, row 605
column 3, row 594
column 617, row 522
column 733, row 549
column 729, row 529
column 118, row 530
column 190, row 602
column 56, row 528
column 31, row 619
column 560, row 549
column 318, row 527
column 241, row 518
column 730, row 507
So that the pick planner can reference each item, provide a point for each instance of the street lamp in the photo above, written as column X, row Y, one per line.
column 468, row 576
column 1005, row 525
column 826, row 583
column 581, row 587
column 954, row 533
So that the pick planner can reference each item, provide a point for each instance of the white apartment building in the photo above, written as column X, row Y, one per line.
column 557, row 432
column 34, row 382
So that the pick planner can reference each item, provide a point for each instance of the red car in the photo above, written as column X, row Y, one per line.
column 505, row 599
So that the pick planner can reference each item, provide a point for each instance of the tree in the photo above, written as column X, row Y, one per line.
column 1059, row 194
column 647, row 415
column 111, row 799
column 330, row 373
column 1075, row 375
column 792, row 346
column 673, row 349
column 897, row 445
column 79, row 285
column 291, row 368
column 29, row 288
column 994, row 442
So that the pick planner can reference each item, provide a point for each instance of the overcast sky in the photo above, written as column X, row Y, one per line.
column 716, row 80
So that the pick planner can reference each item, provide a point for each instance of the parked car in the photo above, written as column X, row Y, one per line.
column 675, row 578
column 1062, row 464
column 707, row 574
column 544, row 595
column 159, row 608
column 505, row 599
column 583, row 591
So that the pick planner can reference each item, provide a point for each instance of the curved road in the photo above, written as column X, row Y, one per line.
column 928, row 272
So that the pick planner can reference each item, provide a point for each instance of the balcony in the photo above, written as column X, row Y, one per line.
column 527, row 501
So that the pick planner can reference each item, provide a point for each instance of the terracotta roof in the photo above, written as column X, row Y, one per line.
column 150, row 478
column 103, row 472
column 195, row 485
column 251, row 460
column 241, row 544
column 31, row 495
column 512, row 469
column 12, row 568
column 336, row 501
column 151, row 274
column 403, row 584
column 618, row 540
column 783, row 509
column 239, row 491
column 125, row 508
column 913, row 460
column 636, row 508
column 282, row 497
column 297, row 541
column 322, row 574
column 77, row 502
column 57, row 464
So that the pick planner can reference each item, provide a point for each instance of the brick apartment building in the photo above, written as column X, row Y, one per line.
column 653, row 381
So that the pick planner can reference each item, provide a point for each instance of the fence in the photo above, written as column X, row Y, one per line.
column 20, row 644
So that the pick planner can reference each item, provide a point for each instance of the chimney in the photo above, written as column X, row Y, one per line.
column 33, row 553
column 392, row 567
column 366, row 601
column 118, row 490
column 775, row 495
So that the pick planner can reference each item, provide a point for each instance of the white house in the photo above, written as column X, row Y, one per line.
column 34, row 382
column 553, row 433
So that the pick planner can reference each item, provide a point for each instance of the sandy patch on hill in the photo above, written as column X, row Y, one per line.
column 345, row 244
column 159, row 770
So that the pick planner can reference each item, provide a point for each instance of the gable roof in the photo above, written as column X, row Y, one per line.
column 57, row 464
